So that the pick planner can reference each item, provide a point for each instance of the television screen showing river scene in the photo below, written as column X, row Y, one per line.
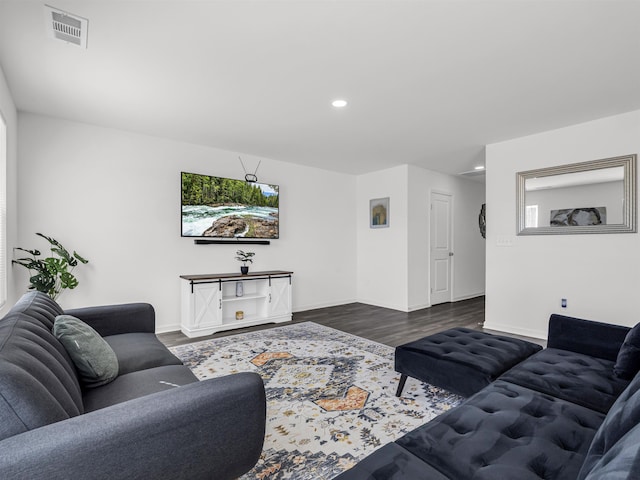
column 227, row 208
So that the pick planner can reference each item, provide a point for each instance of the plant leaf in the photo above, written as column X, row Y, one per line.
column 42, row 283
column 63, row 253
column 81, row 259
column 35, row 253
column 55, row 265
column 67, row 280
column 51, row 240
column 28, row 263
column 53, row 274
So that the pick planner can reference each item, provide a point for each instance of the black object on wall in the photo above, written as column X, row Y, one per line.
column 482, row 220
column 204, row 241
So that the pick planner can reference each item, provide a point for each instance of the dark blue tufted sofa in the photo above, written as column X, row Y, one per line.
column 154, row 421
column 561, row 414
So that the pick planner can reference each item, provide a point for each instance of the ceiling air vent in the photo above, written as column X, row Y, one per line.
column 66, row 27
column 473, row 173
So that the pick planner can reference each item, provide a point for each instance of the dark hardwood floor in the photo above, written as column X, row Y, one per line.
column 382, row 325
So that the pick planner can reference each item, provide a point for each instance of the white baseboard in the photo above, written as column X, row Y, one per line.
column 526, row 332
column 413, row 308
column 468, row 297
column 304, row 308
column 381, row 305
column 168, row 328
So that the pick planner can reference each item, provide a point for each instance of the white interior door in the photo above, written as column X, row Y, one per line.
column 441, row 248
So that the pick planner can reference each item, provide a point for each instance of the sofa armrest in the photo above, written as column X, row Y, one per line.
column 596, row 339
column 117, row 319
column 204, row 430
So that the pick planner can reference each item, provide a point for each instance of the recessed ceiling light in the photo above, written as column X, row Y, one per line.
column 339, row 103
column 479, row 167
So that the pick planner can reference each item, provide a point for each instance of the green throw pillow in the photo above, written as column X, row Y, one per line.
column 95, row 360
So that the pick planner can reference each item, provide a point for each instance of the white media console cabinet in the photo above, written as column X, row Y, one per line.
column 210, row 303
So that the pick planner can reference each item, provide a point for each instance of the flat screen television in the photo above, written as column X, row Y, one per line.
column 216, row 207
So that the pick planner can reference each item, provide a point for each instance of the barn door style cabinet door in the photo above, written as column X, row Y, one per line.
column 217, row 302
column 280, row 298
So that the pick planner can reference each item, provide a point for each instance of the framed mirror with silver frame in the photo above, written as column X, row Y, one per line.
column 599, row 196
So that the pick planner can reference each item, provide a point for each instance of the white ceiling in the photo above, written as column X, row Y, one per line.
column 429, row 83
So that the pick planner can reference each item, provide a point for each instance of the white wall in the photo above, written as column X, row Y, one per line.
column 599, row 274
column 115, row 198
column 393, row 263
column 382, row 252
column 468, row 262
column 8, row 111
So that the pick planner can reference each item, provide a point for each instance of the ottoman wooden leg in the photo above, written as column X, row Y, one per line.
column 403, row 379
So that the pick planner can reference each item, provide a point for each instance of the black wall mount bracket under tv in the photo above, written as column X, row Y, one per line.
column 206, row 241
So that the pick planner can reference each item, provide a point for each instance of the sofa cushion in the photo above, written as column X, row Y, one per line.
column 578, row 378
column 137, row 384
column 461, row 360
column 128, row 348
column 391, row 462
column 628, row 361
column 116, row 319
column 490, row 353
column 596, row 339
column 94, row 359
column 621, row 419
column 39, row 307
column 622, row 461
column 39, row 383
column 506, row 431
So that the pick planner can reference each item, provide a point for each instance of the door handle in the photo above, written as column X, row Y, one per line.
column 451, row 254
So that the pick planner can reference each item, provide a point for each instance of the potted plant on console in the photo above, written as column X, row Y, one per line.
column 244, row 257
column 51, row 275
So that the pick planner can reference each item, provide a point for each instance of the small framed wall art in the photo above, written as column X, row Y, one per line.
column 379, row 213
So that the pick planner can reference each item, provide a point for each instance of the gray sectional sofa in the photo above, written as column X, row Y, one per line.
column 570, row 411
column 155, row 420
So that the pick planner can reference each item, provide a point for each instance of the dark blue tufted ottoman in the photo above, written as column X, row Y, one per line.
column 460, row 360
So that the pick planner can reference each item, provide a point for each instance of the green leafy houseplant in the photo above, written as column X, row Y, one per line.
column 51, row 275
column 244, row 257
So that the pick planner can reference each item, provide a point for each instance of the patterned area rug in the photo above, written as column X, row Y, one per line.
column 330, row 396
